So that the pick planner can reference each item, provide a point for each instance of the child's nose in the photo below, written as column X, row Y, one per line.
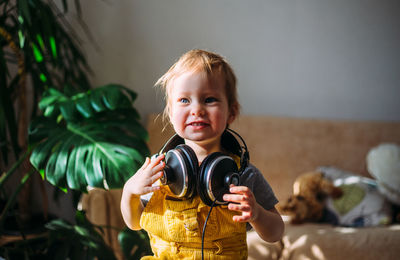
column 197, row 110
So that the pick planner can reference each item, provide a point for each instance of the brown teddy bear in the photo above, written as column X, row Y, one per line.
column 307, row 202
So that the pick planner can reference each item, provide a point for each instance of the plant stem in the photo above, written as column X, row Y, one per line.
column 15, row 166
column 11, row 201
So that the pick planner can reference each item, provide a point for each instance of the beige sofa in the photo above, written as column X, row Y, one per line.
column 282, row 148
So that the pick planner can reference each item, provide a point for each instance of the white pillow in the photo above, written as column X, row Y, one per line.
column 383, row 163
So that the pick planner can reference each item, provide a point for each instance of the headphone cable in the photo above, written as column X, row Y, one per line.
column 204, row 229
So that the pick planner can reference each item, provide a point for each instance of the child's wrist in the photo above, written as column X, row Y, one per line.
column 126, row 194
column 257, row 212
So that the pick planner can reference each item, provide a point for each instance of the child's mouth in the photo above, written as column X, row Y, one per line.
column 198, row 125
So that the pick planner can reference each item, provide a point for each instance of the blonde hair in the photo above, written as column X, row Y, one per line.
column 201, row 61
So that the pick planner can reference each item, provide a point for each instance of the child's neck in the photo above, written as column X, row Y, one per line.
column 203, row 149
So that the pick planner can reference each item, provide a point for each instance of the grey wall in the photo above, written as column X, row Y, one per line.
column 308, row 58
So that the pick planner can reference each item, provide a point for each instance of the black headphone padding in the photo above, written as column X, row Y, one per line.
column 191, row 160
column 181, row 160
column 213, row 186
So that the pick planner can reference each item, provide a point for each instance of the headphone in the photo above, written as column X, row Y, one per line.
column 211, row 180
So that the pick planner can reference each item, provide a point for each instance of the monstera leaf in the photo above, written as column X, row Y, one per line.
column 89, row 139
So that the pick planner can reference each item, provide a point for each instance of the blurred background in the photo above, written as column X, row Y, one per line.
column 306, row 58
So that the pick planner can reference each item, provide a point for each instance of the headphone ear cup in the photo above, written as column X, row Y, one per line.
column 193, row 164
column 217, row 172
column 181, row 167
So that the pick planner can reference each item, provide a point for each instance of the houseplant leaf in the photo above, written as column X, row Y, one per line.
column 88, row 147
column 134, row 244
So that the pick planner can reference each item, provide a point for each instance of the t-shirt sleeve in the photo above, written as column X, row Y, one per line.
column 253, row 178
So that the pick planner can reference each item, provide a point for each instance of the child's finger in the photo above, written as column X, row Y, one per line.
column 157, row 160
column 145, row 164
column 238, row 189
column 157, row 168
column 239, row 207
column 238, row 198
column 152, row 188
column 156, row 176
column 240, row 218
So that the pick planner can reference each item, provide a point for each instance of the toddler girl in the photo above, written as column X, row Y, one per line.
column 201, row 102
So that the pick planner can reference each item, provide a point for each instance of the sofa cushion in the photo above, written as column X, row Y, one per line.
column 322, row 241
column 259, row 249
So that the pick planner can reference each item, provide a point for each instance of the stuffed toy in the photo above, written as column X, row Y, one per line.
column 335, row 196
column 308, row 200
column 361, row 203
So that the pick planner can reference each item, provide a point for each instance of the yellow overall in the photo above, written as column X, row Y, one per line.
column 175, row 229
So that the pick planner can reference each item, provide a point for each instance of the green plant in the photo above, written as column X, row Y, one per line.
column 134, row 244
column 84, row 137
column 92, row 138
column 38, row 50
column 80, row 241
column 64, row 241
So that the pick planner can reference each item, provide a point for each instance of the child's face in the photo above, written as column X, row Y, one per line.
column 199, row 109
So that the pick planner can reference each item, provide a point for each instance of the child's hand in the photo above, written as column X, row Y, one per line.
column 244, row 202
column 141, row 183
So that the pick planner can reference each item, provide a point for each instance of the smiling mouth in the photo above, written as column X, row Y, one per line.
column 198, row 124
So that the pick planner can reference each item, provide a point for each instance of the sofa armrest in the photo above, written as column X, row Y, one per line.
column 102, row 208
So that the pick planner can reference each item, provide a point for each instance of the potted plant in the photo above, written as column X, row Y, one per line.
column 82, row 136
column 37, row 51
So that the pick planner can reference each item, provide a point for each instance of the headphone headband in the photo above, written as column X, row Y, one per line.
column 172, row 142
column 230, row 142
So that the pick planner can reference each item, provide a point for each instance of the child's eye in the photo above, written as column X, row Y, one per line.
column 210, row 100
column 184, row 100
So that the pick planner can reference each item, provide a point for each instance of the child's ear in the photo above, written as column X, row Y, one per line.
column 232, row 115
column 231, row 118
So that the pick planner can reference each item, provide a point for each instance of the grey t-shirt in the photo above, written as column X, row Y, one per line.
column 253, row 178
